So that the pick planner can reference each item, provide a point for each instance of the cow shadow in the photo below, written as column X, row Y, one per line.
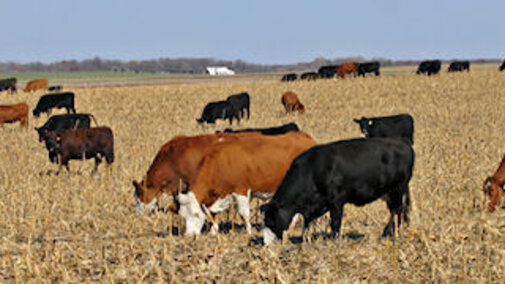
column 354, row 236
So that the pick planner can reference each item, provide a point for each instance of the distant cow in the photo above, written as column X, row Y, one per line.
column 34, row 85
column 459, row 66
column 97, row 143
column 56, row 88
column 218, row 110
column 50, row 101
column 240, row 102
column 494, row 186
column 327, row 72
column 239, row 169
column 368, row 67
column 309, row 76
column 14, row 113
column 429, row 67
column 347, row 68
column 279, row 130
column 289, row 77
column 326, row 177
column 502, row 67
column 292, row 103
column 396, row 126
column 8, row 84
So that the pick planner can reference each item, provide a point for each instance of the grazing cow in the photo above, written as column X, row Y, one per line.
column 238, row 169
column 60, row 123
column 240, row 102
column 459, row 66
column 34, row 85
column 347, row 68
column 309, row 76
column 13, row 113
column 326, row 177
column 289, row 77
column 368, row 67
column 396, row 126
column 218, row 110
column 55, row 88
column 493, row 186
column 292, row 103
column 49, row 101
column 176, row 165
column 97, row 143
column 429, row 67
column 327, row 72
column 502, row 67
column 9, row 84
column 283, row 129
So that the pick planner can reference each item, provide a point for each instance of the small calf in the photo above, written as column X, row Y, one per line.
column 292, row 103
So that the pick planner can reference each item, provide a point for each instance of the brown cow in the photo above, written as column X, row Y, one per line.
column 37, row 84
column 347, row 68
column 176, row 164
column 96, row 142
column 13, row 113
column 292, row 103
column 493, row 186
column 238, row 169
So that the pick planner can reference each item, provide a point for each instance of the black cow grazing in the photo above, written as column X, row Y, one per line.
column 289, row 77
column 9, row 84
column 396, row 126
column 279, row 130
column 429, row 67
column 368, row 67
column 326, row 177
column 309, row 76
column 218, row 110
column 327, row 72
column 240, row 102
column 459, row 66
column 97, row 143
column 50, row 101
column 502, row 67
column 56, row 88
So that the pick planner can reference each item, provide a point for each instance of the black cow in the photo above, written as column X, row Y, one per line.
column 240, row 102
column 368, row 67
column 326, row 177
column 60, row 123
column 309, row 76
column 218, row 110
column 97, row 143
column 50, row 101
column 279, row 130
column 459, row 66
column 429, row 67
column 289, row 77
column 327, row 72
column 396, row 126
column 55, row 88
column 9, row 84
column 502, row 67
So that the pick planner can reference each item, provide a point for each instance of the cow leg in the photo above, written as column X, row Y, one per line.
column 243, row 208
column 395, row 206
column 98, row 160
column 214, row 229
column 248, row 113
column 336, row 220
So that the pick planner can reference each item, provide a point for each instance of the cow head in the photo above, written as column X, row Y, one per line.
column 300, row 108
column 145, row 199
column 364, row 124
column 275, row 222
column 494, row 191
column 36, row 113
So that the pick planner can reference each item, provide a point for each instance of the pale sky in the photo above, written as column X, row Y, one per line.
column 258, row 31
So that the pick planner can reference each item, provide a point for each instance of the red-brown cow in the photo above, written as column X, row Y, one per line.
column 238, row 169
column 38, row 84
column 347, row 68
column 493, row 186
column 13, row 113
column 292, row 103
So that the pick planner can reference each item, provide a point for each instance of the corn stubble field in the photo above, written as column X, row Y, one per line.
column 81, row 227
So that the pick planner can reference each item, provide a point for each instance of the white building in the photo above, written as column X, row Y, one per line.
column 219, row 70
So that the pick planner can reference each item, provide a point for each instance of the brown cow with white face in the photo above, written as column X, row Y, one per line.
column 239, row 169
column 14, row 113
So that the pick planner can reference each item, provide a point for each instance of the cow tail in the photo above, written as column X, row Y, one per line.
column 94, row 119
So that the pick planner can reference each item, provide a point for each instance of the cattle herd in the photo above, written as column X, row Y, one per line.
column 301, row 179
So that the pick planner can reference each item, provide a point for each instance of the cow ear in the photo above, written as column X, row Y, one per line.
column 357, row 120
column 138, row 187
column 264, row 207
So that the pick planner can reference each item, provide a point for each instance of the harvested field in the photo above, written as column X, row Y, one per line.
column 83, row 227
